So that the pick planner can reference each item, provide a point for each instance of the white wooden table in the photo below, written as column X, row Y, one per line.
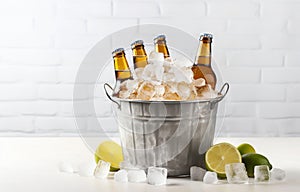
column 30, row 164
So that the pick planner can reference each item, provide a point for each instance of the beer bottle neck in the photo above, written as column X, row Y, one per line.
column 161, row 47
column 120, row 63
column 204, row 54
column 139, row 51
column 139, row 57
column 122, row 70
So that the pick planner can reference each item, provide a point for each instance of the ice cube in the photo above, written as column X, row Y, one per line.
column 206, row 92
column 183, row 74
column 170, row 92
column 169, row 61
column 236, row 173
column 121, row 176
column 159, row 90
column 86, row 169
column 156, row 57
column 182, row 61
column 261, row 173
column 132, row 85
column 136, row 176
column 124, row 94
column 197, row 173
column 167, row 67
column 199, row 82
column 65, row 167
column 184, row 90
column 147, row 73
column 152, row 72
column 210, row 177
column 158, row 72
column 146, row 91
column 138, row 72
column 102, row 169
column 157, row 175
column 277, row 174
column 168, row 77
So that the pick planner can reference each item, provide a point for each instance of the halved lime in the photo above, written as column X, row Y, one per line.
column 219, row 155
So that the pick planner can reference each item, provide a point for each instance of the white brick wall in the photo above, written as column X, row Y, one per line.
column 233, row 9
column 42, row 43
column 135, row 8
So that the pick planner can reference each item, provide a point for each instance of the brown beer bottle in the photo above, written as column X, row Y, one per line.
column 122, row 70
column 202, row 65
column 139, row 54
column 161, row 45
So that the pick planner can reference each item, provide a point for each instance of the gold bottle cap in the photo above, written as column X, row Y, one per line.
column 117, row 51
column 159, row 38
column 206, row 36
column 136, row 43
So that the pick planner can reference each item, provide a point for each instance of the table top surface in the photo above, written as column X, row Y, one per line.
column 31, row 164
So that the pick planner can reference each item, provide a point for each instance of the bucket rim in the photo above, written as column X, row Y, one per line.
column 220, row 97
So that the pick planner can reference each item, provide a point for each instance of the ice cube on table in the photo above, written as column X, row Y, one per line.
column 102, row 169
column 277, row 174
column 86, row 169
column 65, row 167
column 261, row 173
column 210, row 177
column 197, row 173
column 136, row 176
column 157, row 175
column 236, row 173
column 121, row 176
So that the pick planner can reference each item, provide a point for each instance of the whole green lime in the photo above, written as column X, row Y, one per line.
column 245, row 148
column 252, row 159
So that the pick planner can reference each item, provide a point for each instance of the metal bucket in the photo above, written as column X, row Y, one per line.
column 170, row 134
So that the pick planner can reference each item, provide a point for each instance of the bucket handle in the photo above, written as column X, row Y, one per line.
column 226, row 88
column 220, row 98
column 108, row 95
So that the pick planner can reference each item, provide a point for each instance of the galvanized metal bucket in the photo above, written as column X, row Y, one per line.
column 170, row 134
